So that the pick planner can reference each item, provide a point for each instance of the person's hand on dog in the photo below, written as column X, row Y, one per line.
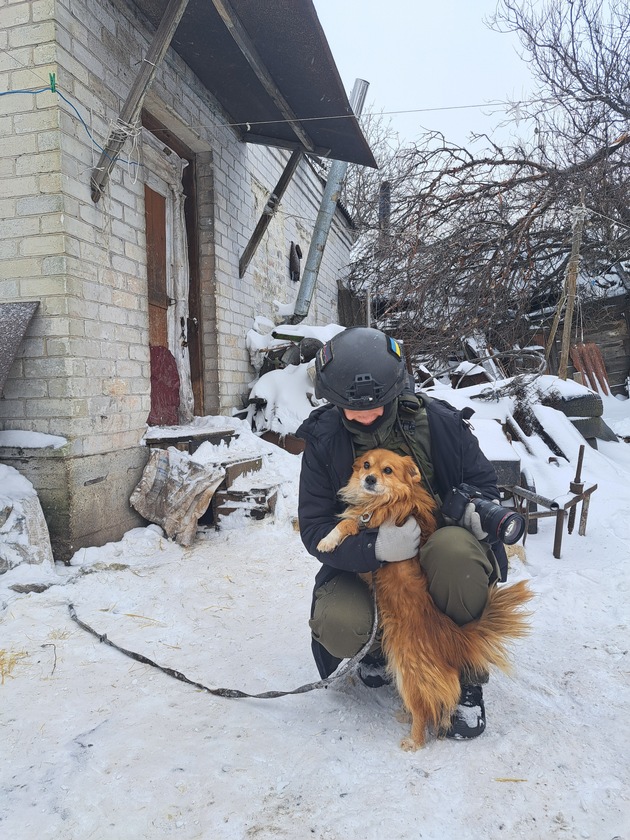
column 395, row 543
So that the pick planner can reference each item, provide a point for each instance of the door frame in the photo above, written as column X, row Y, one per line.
column 194, row 318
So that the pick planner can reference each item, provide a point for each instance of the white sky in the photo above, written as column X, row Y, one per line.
column 419, row 55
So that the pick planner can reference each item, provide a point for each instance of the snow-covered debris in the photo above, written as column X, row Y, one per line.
column 23, row 530
column 281, row 399
column 123, row 752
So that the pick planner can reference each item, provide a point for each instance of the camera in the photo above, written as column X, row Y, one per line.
column 500, row 524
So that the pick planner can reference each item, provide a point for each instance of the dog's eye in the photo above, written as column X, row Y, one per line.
column 388, row 470
column 366, row 465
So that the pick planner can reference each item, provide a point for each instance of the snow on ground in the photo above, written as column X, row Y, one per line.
column 99, row 746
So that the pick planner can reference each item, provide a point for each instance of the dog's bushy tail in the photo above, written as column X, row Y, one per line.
column 502, row 620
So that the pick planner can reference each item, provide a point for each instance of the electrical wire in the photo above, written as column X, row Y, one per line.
column 25, row 90
column 490, row 104
column 52, row 87
column 608, row 219
column 55, row 89
column 249, row 123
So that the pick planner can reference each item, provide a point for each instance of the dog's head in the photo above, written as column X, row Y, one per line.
column 388, row 487
column 380, row 477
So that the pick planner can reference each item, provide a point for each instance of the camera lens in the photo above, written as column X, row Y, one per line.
column 499, row 523
column 512, row 528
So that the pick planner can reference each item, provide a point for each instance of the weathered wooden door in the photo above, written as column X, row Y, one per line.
column 168, row 284
column 155, row 213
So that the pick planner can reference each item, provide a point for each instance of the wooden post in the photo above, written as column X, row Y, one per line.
column 133, row 105
column 273, row 202
column 571, row 283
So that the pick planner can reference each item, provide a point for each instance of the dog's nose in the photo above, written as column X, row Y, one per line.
column 370, row 480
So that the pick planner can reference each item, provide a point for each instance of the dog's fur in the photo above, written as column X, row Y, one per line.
column 426, row 651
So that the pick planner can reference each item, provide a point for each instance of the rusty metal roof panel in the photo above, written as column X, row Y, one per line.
column 291, row 43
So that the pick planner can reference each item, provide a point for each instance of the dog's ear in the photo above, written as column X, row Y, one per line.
column 412, row 470
column 358, row 464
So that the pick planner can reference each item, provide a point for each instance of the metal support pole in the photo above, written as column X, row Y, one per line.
column 557, row 540
column 133, row 105
column 325, row 215
column 273, row 202
column 576, row 486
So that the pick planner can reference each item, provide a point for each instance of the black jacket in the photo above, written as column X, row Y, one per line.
column 326, row 468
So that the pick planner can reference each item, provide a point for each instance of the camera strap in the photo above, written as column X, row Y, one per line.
column 408, row 430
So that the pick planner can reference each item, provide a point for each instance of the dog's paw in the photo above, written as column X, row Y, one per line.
column 409, row 745
column 330, row 542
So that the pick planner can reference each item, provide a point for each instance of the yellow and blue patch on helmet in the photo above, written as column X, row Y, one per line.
column 394, row 347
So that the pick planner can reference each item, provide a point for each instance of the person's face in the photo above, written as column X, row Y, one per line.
column 366, row 417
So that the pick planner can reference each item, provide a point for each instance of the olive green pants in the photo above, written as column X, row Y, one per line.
column 459, row 570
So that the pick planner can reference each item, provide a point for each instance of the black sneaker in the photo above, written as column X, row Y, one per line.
column 373, row 670
column 469, row 719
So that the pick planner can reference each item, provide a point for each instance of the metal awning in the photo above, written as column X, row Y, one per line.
column 270, row 67
column 14, row 321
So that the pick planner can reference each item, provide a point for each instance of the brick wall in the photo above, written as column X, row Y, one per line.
column 32, row 247
column 86, row 357
column 83, row 370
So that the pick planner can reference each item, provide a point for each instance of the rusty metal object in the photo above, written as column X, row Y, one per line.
column 557, row 509
column 576, row 486
column 530, row 496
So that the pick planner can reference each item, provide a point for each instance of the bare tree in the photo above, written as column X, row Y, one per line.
column 476, row 242
column 579, row 50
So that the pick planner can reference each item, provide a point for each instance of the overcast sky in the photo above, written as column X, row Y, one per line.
column 418, row 55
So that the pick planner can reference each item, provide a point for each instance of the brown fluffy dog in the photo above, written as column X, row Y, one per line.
column 426, row 651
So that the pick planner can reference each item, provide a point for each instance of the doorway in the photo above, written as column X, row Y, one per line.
column 173, row 326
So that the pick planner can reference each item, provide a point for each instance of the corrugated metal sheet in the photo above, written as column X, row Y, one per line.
column 289, row 39
column 14, row 321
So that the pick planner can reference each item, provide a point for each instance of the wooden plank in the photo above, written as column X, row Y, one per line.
column 133, row 104
column 191, row 442
column 234, row 470
column 289, row 442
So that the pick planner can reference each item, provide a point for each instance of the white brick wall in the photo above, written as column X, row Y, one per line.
column 83, row 371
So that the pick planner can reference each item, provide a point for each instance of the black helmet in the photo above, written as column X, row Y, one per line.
column 360, row 368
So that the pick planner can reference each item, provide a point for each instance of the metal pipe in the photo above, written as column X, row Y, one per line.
column 535, row 497
column 325, row 215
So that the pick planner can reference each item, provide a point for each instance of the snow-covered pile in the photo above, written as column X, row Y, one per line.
column 97, row 744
